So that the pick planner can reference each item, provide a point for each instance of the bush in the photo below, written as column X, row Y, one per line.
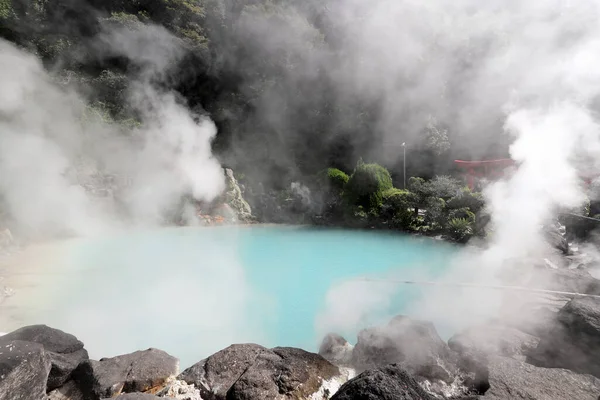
column 397, row 205
column 444, row 187
column 462, row 213
column 460, row 229
column 367, row 184
column 435, row 216
column 333, row 178
column 466, row 199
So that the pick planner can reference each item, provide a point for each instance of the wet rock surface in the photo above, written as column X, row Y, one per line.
column 24, row 370
column 513, row 379
column 141, row 371
column 336, row 349
column 66, row 352
column 391, row 382
column 415, row 345
column 249, row 371
column 574, row 343
column 494, row 339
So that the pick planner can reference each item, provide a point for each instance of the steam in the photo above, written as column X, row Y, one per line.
column 49, row 150
column 519, row 70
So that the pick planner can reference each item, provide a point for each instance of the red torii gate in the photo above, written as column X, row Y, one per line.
column 488, row 169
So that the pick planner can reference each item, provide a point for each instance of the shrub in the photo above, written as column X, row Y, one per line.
column 462, row 213
column 366, row 185
column 397, row 205
column 466, row 199
column 460, row 229
column 444, row 187
column 435, row 216
column 333, row 178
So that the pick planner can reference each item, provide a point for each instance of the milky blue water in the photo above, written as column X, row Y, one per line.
column 194, row 291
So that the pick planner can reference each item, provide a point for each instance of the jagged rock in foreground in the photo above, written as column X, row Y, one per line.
column 494, row 339
column 336, row 349
column 249, row 371
column 575, row 342
column 141, row 371
column 513, row 379
column 65, row 350
column 386, row 383
column 413, row 344
column 24, row 370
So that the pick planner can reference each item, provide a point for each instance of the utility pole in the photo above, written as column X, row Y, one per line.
column 404, row 160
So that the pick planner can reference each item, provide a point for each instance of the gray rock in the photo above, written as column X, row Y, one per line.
column 235, row 199
column 513, row 379
column 386, row 383
column 250, row 371
column 413, row 344
column 69, row 391
column 136, row 372
column 136, row 396
column 24, row 370
column 493, row 339
column 216, row 374
column 283, row 372
column 65, row 350
column 336, row 349
column 575, row 342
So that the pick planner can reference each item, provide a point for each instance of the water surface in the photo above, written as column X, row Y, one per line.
column 193, row 291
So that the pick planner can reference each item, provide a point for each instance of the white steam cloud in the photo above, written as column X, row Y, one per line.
column 530, row 65
column 48, row 146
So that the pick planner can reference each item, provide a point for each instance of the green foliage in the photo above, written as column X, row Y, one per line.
column 462, row 213
column 444, row 187
column 435, row 213
column 468, row 199
column 437, row 139
column 6, row 9
column 460, row 229
column 333, row 178
column 367, row 184
column 397, row 206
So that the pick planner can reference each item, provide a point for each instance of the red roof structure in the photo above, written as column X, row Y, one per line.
column 475, row 171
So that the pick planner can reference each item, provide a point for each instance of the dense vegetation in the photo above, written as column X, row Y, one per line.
column 280, row 113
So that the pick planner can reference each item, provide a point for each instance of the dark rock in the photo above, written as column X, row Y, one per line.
column 575, row 342
column 24, row 370
column 386, row 383
column 216, row 374
column 136, row 372
column 65, row 350
column 336, row 349
column 283, row 372
column 493, row 339
column 250, row 371
column 413, row 344
column 137, row 396
column 556, row 236
column 69, row 391
column 513, row 379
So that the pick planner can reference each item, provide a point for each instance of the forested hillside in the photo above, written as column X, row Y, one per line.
column 284, row 80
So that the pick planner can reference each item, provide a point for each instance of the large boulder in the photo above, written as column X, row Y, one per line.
column 66, row 352
column 513, row 379
column 391, row 382
column 493, row 339
column 336, row 349
column 141, row 371
column 249, row 371
column 24, row 370
column 217, row 373
column 575, row 342
column 413, row 344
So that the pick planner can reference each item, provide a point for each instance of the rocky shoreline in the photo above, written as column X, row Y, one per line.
column 548, row 355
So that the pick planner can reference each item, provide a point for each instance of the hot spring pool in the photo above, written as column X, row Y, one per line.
column 193, row 291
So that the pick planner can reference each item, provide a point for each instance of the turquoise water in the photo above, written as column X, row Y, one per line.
column 194, row 291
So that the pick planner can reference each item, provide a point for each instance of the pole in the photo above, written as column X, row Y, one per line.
column 404, row 161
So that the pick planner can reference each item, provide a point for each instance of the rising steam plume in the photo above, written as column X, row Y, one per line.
column 49, row 145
